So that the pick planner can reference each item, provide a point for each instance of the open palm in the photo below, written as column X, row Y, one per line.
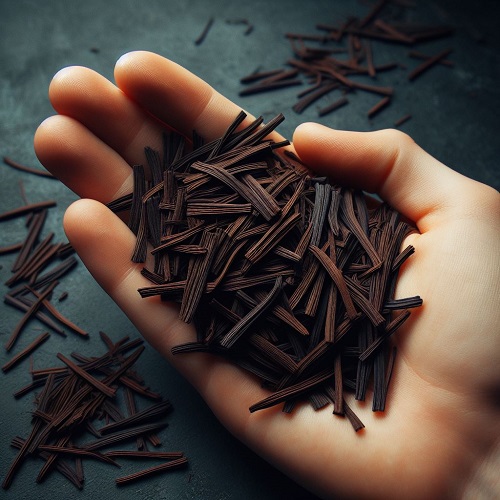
column 442, row 421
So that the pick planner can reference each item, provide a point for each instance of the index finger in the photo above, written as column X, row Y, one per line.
column 103, row 129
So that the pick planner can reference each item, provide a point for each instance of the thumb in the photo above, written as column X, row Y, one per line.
column 386, row 162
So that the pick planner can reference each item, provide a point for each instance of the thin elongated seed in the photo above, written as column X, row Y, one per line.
column 24, row 168
column 353, row 418
column 319, row 212
column 198, row 209
column 363, row 303
column 18, row 303
column 405, row 303
column 33, row 308
column 348, row 214
column 372, row 13
column 26, row 209
column 55, row 272
column 342, row 101
column 400, row 259
column 104, row 389
column 419, row 55
column 65, row 321
column 68, row 450
column 309, row 99
column 10, row 248
column 378, row 106
column 197, row 277
column 35, row 227
column 270, row 350
column 257, row 75
column 338, row 279
column 292, row 391
column 392, row 31
column 248, row 320
column 402, row 120
column 428, row 63
column 153, row 411
column 26, row 351
column 122, row 436
column 390, row 329
column 179, row 462
column 201, row 37
column 272, row 237
column 144, row 454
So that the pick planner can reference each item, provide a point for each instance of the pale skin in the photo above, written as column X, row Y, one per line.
column 439, row 436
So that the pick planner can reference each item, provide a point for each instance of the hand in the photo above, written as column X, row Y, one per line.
column 441, row 429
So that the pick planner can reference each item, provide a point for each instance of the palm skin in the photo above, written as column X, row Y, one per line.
column 440, row 432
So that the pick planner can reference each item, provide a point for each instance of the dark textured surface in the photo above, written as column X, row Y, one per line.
column 455, row 118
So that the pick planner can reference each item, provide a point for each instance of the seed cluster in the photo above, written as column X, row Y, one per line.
column 287, row 276
column 341, row 59
column 39, row 266
column 76, row 398
column 78, row 415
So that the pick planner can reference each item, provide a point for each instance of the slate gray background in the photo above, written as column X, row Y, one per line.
column 455, row 118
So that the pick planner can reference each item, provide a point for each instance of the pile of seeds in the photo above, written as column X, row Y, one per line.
column 287, row 276
column 78, row 414
column 341, row 59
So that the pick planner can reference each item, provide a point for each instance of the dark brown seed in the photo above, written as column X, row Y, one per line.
column 26, row 351
column 24, row 168
column 85, row 375
column 26, row 209
column 205, row 31
column 379, row 106
column 402, row 120
column 428, row 63
column 179, row 462
column 33, row 308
